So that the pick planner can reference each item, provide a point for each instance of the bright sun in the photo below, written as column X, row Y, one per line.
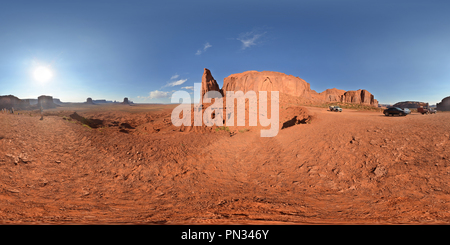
column 42, row 74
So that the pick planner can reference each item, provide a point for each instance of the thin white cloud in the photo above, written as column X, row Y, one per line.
column 176, row 83
column 205, row 47
column 188, row 87
column 174, row 76
column 156, row 94
column 249, row 38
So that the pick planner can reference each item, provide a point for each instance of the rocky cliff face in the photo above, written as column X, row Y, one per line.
column 294, row 86
column 360, row 96
column 444, row 105
column 331, row 95
column 267, row 81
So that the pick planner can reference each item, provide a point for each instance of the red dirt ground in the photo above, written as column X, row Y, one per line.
column 354, row 167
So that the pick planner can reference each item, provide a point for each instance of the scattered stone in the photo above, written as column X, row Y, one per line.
column 380, row 171
column 43, row 183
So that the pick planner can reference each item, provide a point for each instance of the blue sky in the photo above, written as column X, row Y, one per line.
column 144, row 50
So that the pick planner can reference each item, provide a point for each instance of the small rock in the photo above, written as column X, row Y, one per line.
column 58, row 162
column 13, row 191
column 380, row 171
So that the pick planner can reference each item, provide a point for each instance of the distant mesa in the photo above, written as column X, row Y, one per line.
column 57, row 101
column 35, row 101
column 46, row 102
column 411, row 104
column 11, row 101
column 126, row 101
column 102, row 101
column 89, row 101
column 444, row 105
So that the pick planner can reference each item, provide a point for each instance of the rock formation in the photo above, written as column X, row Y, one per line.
column 57, row 101
column 102, row 101
column 294, row 86
column 267, row 81
column 46, row 102
column 411, row 104
column 10, row 101
column 444, row 105
column 360, row 96
column 89, row 101
column 208, row 83
column 332, row 95
column 126, row 101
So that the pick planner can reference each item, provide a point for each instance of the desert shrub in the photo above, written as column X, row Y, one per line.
column 223, row 128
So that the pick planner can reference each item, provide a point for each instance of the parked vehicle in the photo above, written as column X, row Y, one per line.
column 396, row 111
column 426, row 110
column 407, row 111
column 335, row 108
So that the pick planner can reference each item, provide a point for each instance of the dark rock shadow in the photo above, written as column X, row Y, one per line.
column 293, row 121
column 93, row 123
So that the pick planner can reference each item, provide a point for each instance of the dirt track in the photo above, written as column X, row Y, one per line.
column 349, row 167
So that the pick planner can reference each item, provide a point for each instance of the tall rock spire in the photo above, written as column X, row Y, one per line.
column 208, row 83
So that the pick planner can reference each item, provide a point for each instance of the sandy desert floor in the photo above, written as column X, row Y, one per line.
column 354, row 167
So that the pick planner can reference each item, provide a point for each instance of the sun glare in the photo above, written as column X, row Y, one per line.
column 42, row 74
